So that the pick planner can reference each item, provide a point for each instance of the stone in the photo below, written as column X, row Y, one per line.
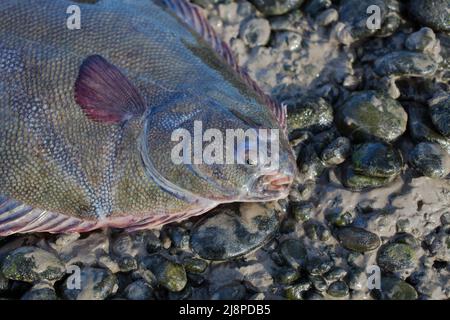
column 376, row 159
column 430, row 160
column 31, row 264
column 434, row 14
column 229, row 231
column 368, row 115
column 405, row 64
column 169, row 274
column 358, row 239
column 255, row 32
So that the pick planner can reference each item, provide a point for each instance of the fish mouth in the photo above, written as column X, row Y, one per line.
column 272, row 186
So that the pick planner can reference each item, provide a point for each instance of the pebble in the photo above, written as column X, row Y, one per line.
column 423, row 40
column 405, row 64
column 228, row 232
column 138, row 290
column 434, row 14
column 195, row 265
column 318, row 282
column 430, row 160
column 302, row 211
column 396, row 257
column 255, row 32
column 336, row 152
column 169, row 274
column 31, row 264
column 338, row 289
column 232, row 291
column 377, row 160
column 95, row 284
column 310, row 114
column 41, row 291
column 368, row 115
column 393, row 288
column 358, row 239
column 440, row 113
column 276, row 7
column 358, row 182
column 421, row 128
column 293, row 252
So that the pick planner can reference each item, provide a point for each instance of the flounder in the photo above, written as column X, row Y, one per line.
column 87, row 117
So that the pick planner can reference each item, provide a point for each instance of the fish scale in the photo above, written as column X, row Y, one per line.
column 63, row 170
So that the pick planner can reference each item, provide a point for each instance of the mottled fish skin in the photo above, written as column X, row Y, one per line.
column 55, row 159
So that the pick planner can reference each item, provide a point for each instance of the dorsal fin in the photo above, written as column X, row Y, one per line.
column 192, row 16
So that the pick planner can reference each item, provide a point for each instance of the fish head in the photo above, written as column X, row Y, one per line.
column 222, row 150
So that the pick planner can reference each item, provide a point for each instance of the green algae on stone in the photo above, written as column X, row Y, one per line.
column 31, row 264
column 396, row 257
column 358, row 239
column 311, row 114
column 169, row 274
column 376, row 160
column 195, row 265
column 371, row 115
column 358, row 182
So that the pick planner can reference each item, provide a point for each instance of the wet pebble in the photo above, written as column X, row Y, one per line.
column 302, row 211
column 335, row 274
column 293, row 252
column 396, row 257
column 422, row 40
column 359, row 182
column 440, row 113
column 430, row 160
column 358, row 239
column 138, row 290
column 336, row 152
column 232, row 291
column 368, row 115
column 338, row 289
column 169, row 274
column 287, row 275
column 228, row 232
column 434, row 14
column 377, row 160
column 294, row 292
column 353, row 13
column 276, row 7
column 94, row 284
column 31, row 264
column 41, row 291
column 318, row 282
column 312, row 114
column 421, row 128
column 393, row 288
column 314, row 7
column 405, row 63
column 195, row 265
column 255, row 32
column 340, row 219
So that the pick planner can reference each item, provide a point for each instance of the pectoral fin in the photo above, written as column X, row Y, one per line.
column 105, row 94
